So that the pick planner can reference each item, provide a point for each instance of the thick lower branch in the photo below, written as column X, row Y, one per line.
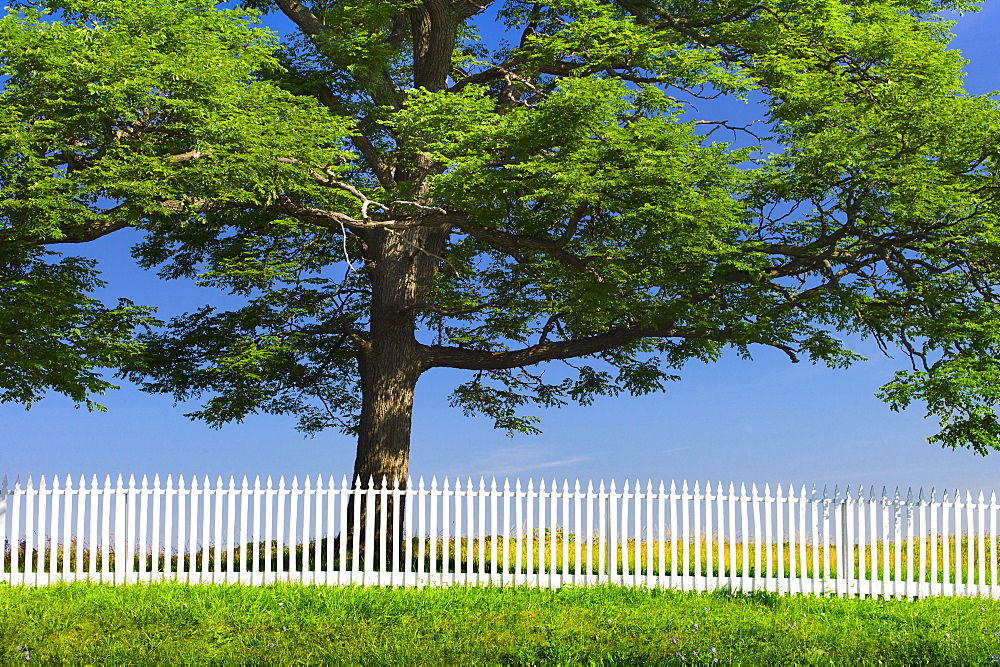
column 484, row 360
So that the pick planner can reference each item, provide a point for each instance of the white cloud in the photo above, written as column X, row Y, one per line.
column 512, row 460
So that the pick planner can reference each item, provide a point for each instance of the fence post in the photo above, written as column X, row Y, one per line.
column 844, row 564
column 3, row 532
column 612, row 542
column 121, row 507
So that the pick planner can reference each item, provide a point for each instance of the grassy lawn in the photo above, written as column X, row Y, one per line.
column 288, row 624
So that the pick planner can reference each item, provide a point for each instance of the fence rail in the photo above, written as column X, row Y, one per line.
column 691, row 538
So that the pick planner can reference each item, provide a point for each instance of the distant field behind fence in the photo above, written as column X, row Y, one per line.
column 699, row 537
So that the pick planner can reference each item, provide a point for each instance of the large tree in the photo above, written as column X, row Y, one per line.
column 564, row 215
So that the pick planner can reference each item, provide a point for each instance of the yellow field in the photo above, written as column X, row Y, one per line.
column 568, row 555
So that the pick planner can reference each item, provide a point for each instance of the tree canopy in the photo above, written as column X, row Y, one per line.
column 563, row 214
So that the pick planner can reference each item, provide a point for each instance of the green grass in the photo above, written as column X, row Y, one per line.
column 289, row 624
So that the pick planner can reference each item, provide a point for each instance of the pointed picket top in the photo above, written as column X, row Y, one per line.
column 69, row 482
column 145, row 483
column 170, row 482
column 541, row 485
column 753, row 490
column 566, row 486
column 697, row 487
column 777, row 493
column 506, row 484
column 600, row 488
column 968, row 496
column 531, row 485
column 420, row 484
column 256, row 483
column 673, row 487
column 308, row 484
column 517, row 485
column 791, row 491
column 434, row 483
column 625, row 488
column 612, row 489
column 131, row 481
column 920, row 496
column 447, row 485
column 55, row 482
column 743, row 490
column 909, row 494
column 482, row 484
column 684, row 487
column 590, row 486
column 933, row 494
column 156, row 482
column 767, row 489
column 577, row 486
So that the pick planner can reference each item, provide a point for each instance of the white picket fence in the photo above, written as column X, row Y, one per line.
column 691, row 538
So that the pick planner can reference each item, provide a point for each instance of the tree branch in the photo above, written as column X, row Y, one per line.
column 485, row 360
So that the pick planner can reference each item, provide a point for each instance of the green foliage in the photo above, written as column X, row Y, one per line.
column 53, row 336
column 388, row 183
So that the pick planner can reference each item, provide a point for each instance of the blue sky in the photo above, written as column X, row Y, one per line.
column 765, row 421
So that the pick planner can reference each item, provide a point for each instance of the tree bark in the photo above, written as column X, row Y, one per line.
column 397, row 263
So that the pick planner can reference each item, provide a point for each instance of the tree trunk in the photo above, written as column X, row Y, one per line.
column 389, row 369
